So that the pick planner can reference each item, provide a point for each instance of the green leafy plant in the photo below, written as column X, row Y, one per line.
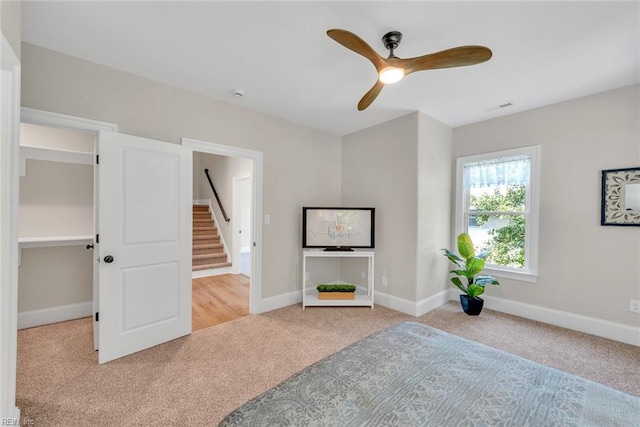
column 469, row 265
column 508, row 240
column 336, row 287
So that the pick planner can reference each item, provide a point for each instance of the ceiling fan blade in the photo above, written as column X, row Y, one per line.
column 454, row 57
column 370, row 96
column 356, row 44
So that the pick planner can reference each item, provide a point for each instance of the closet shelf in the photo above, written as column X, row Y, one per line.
column 52, row 241
column 56, row 155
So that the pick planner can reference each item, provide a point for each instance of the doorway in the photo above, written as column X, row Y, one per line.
column 56, row 224
column 254, row 242
column 223, row 203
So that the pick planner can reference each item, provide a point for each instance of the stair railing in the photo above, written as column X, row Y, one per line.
column 215, row 193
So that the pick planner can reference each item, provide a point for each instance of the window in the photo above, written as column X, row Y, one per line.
column 497, row 205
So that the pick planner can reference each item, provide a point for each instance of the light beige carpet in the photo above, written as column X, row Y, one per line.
column 198, row 379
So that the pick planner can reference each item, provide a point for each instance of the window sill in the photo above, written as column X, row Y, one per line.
column 509, row 274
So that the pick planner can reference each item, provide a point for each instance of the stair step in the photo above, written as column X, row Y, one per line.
column 206, row 233
column 213, row 257
column 207, row 249
column 209, row 266
column 205, row 239
column 203, row 221
column 197, row 227
column 207, row 246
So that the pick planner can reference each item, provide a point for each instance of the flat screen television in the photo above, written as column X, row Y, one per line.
column 338, row 228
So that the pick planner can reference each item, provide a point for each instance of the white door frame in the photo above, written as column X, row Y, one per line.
column 9, row 161
column 64, row 121
column 255, row 286
column 237, row 214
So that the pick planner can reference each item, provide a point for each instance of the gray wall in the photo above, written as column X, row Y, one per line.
column 435, row 146
column 10, row 23
column 301, row 165
column 380, row 167
column 53, row 277
column 403, row 169
column 585, row 268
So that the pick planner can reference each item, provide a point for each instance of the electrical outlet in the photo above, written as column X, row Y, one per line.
column 634, row 306
column 385, row 282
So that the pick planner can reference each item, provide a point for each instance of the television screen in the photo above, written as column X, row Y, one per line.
column 338, row 228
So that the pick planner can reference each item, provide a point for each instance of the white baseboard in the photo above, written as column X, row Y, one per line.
column 603, row 328
column 279, row 301
column 426, row 305
column 590, row 325
column 202, row 202
column 411, row 307
column 210, row 272
column 29, row 319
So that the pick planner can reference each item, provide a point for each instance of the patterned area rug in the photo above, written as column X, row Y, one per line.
column 415, row 375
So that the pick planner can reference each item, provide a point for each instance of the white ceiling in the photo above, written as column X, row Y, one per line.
column 280, row 55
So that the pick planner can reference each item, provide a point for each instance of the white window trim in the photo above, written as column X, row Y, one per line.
column 530, row 273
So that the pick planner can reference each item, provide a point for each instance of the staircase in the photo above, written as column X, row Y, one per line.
column 208, row 252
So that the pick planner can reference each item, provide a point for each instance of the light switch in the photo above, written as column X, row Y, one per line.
column 267, row 219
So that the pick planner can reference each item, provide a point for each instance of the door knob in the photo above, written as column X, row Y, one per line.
column 89, row 246
column 108, row 259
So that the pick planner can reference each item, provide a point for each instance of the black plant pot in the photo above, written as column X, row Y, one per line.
column 471, row 306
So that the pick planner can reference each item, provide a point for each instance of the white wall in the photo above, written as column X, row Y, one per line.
column 585, row 268
column 302, row 166
column 379, row 169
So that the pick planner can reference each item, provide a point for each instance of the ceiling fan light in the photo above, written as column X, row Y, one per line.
column 391, row 75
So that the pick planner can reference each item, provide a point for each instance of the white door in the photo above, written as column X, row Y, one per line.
column 144, row 243
column 242, row 224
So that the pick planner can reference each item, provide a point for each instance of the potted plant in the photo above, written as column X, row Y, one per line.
column 336, row 291
column 469, row 265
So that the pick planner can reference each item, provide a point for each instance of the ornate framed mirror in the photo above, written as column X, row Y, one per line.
column 621, row 197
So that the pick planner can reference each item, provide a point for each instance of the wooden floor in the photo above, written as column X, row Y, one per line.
column 219, row 299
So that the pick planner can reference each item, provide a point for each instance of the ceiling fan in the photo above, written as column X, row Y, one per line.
column 393, row 69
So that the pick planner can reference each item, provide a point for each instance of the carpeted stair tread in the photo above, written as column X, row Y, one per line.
column 204, row 223
column 210, row 266
column 208, row 232
column 211, row 247
column 207, row 249
column 207, row 227
column 210, row 256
